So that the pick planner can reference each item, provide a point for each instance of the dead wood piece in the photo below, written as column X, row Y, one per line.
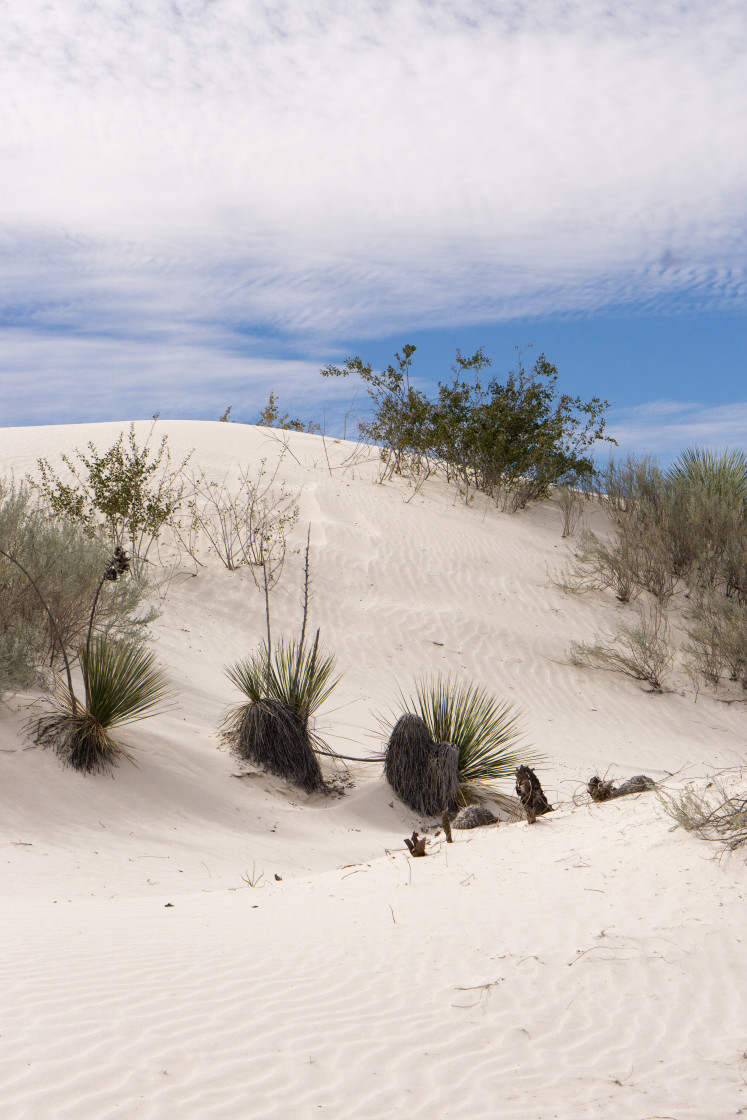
column 416, row 844
column 531, row 794
column 606, row 791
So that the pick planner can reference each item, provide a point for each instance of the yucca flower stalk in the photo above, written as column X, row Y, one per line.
column 117, row 566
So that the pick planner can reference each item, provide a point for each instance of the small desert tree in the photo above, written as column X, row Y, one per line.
column 401, row 418
column 129, row 491
column 512, row 439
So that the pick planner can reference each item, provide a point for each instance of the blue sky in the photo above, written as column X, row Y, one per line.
column 205, row 200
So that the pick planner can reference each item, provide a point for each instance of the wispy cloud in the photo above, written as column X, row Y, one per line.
column 318, row 168
column 665, row 428
column 57, row 378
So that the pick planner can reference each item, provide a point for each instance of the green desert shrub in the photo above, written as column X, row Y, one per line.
column 66, row 566
column 129, row 492
column 709, row 494
column 683, row 529
column 122, row 684
column 512, row 439
column 486, row 733
column 284, row 686
column 679, row 531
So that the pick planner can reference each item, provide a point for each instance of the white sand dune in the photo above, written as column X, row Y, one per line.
column 589, row 966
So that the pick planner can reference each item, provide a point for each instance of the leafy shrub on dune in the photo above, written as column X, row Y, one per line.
column 128, row 493
column 513, row 440
column 284, row 686
column 49, row 573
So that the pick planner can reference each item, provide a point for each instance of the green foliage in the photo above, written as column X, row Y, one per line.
column 129, row 490
column 66, row 567
column 486, row 731
column 679, row 531
column 513, row 440
column 686, row 528
column 708, row 498
column 299, row 676
column 284, row 687
column 724, row 476
column 516, row 438
column 402, row 418
column 270, row 417
column 123, row 684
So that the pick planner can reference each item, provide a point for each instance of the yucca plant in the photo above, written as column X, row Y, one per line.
column 485, row 731
column 123, row 684
column 708, row 493
column 424, row 774
column 284, row 687
column 723, row 475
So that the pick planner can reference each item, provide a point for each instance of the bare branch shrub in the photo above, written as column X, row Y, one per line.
column 718, row 639
column 570, row 502
column 643, row 652
column 714, row 813
column 246, row 524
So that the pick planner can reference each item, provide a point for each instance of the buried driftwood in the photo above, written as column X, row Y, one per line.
column 530, row 794
column 416, row 844
column 424, row 774
column 606, row 791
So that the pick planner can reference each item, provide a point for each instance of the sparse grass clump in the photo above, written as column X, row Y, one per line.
column 643, row 652
column 682, row 532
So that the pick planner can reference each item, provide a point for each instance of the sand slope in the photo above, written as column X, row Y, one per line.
column 589, row 966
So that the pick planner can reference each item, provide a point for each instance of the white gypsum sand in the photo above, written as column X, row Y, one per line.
column 589, row 966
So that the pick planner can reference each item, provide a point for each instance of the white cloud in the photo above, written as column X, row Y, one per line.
column 665, row 428
column 53, row 378
column 324, row 168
